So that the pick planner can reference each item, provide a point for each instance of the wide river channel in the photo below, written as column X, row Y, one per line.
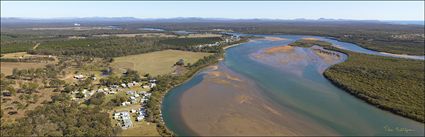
column 263, row 87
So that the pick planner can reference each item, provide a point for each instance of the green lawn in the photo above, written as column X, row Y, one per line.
column 156, row 63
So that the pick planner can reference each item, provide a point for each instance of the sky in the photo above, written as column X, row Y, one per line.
column 359, row 10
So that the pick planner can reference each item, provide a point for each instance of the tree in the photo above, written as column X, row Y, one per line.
column 29, row 87
column 96, row 99
column 56, row 83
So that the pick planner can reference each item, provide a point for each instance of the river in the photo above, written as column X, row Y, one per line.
column 254, row 93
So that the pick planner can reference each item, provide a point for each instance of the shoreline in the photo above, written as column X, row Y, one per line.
column 191, row 76
column 361, row 96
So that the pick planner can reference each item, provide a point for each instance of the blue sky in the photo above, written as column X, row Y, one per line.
column 218, row 9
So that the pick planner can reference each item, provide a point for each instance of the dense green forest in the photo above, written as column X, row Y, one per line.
column 10, row 47
column 115, row 46
column 392, row 84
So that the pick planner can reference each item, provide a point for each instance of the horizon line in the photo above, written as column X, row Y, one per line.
column 223, row 18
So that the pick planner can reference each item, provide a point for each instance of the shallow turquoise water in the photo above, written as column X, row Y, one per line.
column 309, row 95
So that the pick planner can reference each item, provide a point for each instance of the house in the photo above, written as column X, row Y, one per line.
column 145, row 86
column 114, row 86
column 6, row 93
column 151, row 85
column 126, row 120
column 132, row 111
column 79, row 77
column 142, row 92
column 99, row 90
column 140, row 118
column 136, row 95
column 152, row 81
column 130, row 92
column 148, row 94
column 123, row 85
column 125, row 103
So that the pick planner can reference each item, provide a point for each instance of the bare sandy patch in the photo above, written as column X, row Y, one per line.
column 16, row 55
column 274, row 39
column 212, row 109
column 278, row 49
column 7, row 67
column 310, row 39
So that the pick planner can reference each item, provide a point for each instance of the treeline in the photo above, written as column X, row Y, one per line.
column 14, row 46
column 62, row 117
column 372, row 35
column 190, row 41
column 114, row 46
column 392, row 84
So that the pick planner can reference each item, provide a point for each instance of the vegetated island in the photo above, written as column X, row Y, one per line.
column 392, row 84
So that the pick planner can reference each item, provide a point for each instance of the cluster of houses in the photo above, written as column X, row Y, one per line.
column 230, row 39
column 113, row 89
column 124, row 118
column 136, row 97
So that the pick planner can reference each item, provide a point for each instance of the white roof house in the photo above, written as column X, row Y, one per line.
column 133, row 111
column 124, row 85
column 140, row 118
column 151, row 85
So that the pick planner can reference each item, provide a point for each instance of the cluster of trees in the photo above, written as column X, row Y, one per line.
column 62, row 117
column 309, row 43
column 392, row 84
column 129, row 76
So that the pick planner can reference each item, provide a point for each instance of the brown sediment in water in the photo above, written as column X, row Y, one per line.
column 310, row 39
column 214, row 67
column 238, row 108
column 327, row 58
column 279, row 49
column 274, row 38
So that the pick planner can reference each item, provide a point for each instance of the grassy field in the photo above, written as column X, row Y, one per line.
column 156, row 63
column 7, row 67
column 15, row 55
column 393, row 84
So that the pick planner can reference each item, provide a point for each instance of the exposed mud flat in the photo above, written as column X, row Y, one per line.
column 274, row 38
column 296, row 59
column 225, row 103
column 310, row 39
column 283, row 93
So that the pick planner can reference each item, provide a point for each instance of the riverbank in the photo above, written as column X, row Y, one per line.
column 378, row 80
column 242, row 109
column 167, row 82
column 297, row 86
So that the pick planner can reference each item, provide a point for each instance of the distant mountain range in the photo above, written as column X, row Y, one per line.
column 189, row 19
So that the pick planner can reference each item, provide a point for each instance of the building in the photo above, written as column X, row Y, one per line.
column 79, row 77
